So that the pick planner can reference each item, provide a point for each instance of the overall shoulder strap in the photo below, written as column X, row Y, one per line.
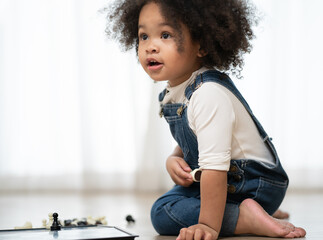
column 162, row 95
column 224, row 80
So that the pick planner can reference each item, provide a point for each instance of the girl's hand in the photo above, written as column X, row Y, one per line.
column 198, row 232
column 179, row 171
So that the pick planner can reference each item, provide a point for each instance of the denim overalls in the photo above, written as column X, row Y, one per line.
column 247, row 178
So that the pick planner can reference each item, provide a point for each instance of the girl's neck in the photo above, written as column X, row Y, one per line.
column 174, row 83
column 191, row 77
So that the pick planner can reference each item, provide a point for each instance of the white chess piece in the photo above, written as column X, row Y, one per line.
column 27, row 225
column 44, row 221
column 90, row 220
column 50, row 220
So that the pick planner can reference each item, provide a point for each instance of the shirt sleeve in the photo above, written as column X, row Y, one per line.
column 211, row 117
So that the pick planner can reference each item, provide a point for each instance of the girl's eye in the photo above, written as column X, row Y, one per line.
column 165, row 35
column 143, row 36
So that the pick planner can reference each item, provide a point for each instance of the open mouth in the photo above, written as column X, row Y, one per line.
column 153, row 63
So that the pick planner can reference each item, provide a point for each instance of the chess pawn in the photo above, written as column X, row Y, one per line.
column 50, row 220
column 44, row 221
column 130, row 219
column 55, row 226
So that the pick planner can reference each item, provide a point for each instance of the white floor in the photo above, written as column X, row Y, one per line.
column 306, row 210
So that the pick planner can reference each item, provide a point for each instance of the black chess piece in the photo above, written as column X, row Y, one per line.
column 55, row 226
column 130, row 219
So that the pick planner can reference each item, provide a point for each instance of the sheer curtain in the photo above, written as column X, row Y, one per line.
column 74, row 109
column 283, row 84
column 77, row 114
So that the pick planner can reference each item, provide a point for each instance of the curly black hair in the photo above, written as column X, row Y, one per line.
column 222, row 27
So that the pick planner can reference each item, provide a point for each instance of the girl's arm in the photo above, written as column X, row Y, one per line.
column 213, row 199
column 177, row 152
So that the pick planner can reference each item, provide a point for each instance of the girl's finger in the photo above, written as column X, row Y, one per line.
column 184, row 165
column 182, row 234
column 183, row 175
column 189, row 234
column 208, row 236
column 198, row 234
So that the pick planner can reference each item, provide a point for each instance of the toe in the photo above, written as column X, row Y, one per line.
column 297, row 233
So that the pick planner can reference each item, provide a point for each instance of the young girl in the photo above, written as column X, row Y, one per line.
column 238, row 181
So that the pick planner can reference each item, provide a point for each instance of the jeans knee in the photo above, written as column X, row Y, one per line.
column 162, row 223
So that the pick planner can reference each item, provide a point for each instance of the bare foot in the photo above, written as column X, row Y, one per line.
column 253, row 219
column 279, row 214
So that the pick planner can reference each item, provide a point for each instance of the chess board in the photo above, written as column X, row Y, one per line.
column 68, row 233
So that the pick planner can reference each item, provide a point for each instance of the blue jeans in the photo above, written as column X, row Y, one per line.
column 180, row 207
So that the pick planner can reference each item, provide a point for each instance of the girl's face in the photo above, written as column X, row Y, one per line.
column 158, row 48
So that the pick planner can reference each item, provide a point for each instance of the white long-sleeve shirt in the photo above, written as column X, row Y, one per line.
column 223, row 127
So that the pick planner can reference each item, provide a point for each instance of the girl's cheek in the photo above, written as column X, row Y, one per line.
column 141, row 60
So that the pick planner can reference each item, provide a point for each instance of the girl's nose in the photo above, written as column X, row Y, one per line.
column 152, row 48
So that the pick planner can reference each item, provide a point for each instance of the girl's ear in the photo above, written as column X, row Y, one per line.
column 202, row 53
